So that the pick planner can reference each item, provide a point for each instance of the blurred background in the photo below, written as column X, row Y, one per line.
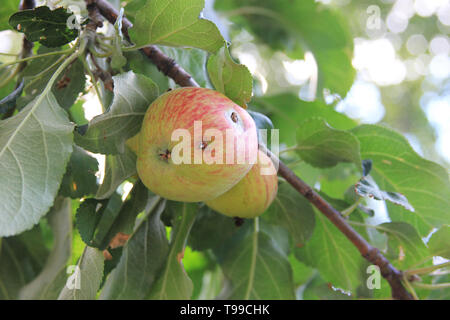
column 401, row 58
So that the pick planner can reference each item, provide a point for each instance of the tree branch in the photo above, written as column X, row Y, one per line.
column 169, row 67
column 95, row 17
column 27, row 46
column 370, row 253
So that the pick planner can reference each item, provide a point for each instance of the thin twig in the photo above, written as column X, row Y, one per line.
column 104, row 75
column 436, row 286
column 10, row 76
column 346, row 212
column 427, row 270
column 170, row 68
column 43, row 55
column 93, row 80
column 96, row 21
column 27, row 46
column 410, row 288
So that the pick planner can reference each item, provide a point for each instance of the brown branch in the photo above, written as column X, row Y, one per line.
column 96, row 21
column 95, row 17
column 104, row 75
column 27, row 46
column 370, row 253
column 166, row 65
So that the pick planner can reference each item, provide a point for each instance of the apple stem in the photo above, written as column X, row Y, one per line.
column 165, row 155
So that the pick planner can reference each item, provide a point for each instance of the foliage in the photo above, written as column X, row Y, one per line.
column 44, row 25
column 129, row 243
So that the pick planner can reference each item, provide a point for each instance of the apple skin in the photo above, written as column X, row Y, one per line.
column 252, row 195
column 191, row 182
column 133, row 143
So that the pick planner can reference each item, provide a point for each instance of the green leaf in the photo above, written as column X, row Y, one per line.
column 44, row 25
column 142, row 257
column 140, row 196
column 90, row 275
column 336, row 258
column 79, row 179
column 141, row 64
column 336, row 71
column 38, row 72
column 293, row 212
column 212, row 282
column 232, row 79
column 117, row 58
column 7, row 8
column 261, row 120
column 192, row 60
column 257, row 268
column 366, row 187
column 439, row 243
column 175, row 23
column 262, row 123
column 441, row 294
column 211, row 229
column 339, row 181
column 318, row 289
column 295, row 27
column 5, row 92
column 173, row 283
column 287, row 111
column 132, row 8
column 49, row 282
column 87, row 219
column 35, row 146
column 398, row 168
column 323, row 146
column 19, row 263
column 118, row 168
column 277, row 234
column 109, row 213
column 301, row 272
column 108, row 132
column 36, row 243
column 110, row 264
column 76, row 112
column 95, row 219
column 405, row 247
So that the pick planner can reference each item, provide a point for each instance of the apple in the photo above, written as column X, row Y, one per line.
column 195, row 144
column 133, row 143
column 252, row 195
